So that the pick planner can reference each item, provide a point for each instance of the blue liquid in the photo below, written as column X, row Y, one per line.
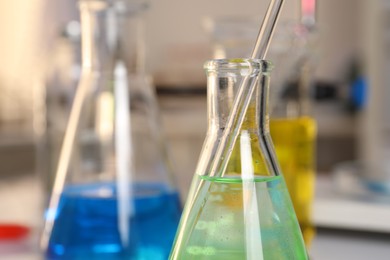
column 86, row 225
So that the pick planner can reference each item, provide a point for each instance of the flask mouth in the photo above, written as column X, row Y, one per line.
column 240, row 65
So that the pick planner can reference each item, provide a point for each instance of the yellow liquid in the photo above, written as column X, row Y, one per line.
column 294, row 141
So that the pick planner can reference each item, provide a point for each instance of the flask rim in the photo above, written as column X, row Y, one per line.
column 239, row 64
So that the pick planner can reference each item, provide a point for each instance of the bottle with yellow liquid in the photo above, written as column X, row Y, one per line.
column 294, row 140
column 294, row 132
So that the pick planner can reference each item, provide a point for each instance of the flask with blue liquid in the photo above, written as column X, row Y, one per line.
column 114, row 195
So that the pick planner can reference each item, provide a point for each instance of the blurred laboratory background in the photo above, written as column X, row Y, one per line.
column 339, row 49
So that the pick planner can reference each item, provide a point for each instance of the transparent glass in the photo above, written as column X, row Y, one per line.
column 241, row 210
column 114, row 196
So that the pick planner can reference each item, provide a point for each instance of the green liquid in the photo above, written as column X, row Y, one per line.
column 234, row 219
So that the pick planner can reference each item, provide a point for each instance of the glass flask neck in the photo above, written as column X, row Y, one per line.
column 106, row 30
column 224, row 79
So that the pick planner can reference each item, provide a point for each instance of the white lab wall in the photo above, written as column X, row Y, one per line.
column 178, row 44
column 340, row 24
column 18, row 44
column 374, row 130
column 27, row 30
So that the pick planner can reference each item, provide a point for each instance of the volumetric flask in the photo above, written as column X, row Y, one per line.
column 113, row 196
column 242, row 209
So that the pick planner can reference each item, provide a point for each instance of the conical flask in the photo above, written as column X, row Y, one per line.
column 113, row 196
column 238, row 206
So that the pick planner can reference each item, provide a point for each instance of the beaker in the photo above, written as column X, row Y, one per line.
column 114, row 196
column 241, row 210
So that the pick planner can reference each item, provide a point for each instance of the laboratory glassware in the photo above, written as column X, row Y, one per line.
column 114, row 196
column 241, row 210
